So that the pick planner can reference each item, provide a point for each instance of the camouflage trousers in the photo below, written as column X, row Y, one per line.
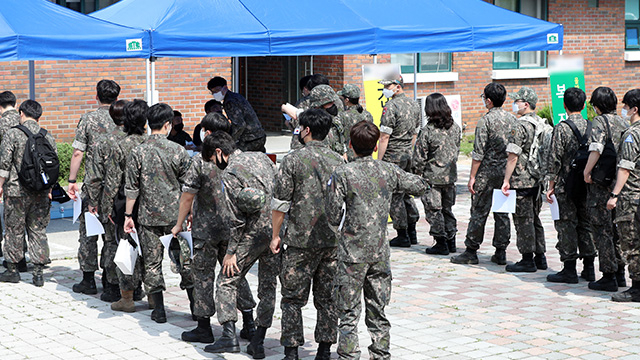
column 529, row 229
column 129, row 282
column 301, row 267
column 28, row 214
column 247, row 254
column 480, row 209
column 403, row 209
column 109, row 247
column 152, row 254
column 374, row 279
column 628, row 223
column 605, row 233
column 574, row 229
column 253, row 145
column 438, row 202
column 88, row 247
column 205, row 255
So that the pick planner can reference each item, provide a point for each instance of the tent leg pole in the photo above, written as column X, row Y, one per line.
column 415, row 76
column 311, row 64
column 148, row 73
column 236, row 74
column 32, row 80
column 375, row 59
column 152, row 60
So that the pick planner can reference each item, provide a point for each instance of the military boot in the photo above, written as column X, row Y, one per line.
column 412, row 233
column 402, row 240
column 324, row 351
column 451, row 244
column 38, row 278
column 588, row 269
column 11, row 275
column 525, row 265
column 111, row 293
column 469, row 256
column 150, row 301
column 499, row 257
column 256, row 346
column 620, row 276
column 87, row 285
column 606, row 283
column 22, row 265
column 568, row 275
column 248, row 325
column 191, row 303
column 541, row 261
column 201, row 334
column 125, row 303
column 138, row 293
column 631, row 295
column 228, row 342
column 291, row 353
column 440, row 248
column 158, row 314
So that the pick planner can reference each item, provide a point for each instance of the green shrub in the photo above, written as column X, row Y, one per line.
column 546, row 112
column 65, row 151
column 466, row 144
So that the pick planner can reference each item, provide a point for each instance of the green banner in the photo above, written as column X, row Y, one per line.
column 561, row 81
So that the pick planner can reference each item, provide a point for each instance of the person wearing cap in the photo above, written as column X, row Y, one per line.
column 519, row 175
column 399, row 126
column 354, row 113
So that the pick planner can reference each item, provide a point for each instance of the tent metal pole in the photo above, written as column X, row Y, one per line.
column 236, row 74
column 152, row 60
column 32, row 80
column 148, row 73
column 375, row 59
column 415, row 76
column 311, row 64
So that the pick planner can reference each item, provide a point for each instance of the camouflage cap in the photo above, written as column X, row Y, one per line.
column 350, row 91
column 251, row 200
column 396, row 79
column 321, row 95
column 526, row 94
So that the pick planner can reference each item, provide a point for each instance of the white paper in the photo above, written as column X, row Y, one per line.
column 125, row 258
column 190, row 152
column 134, row 236
column 555, row 209
column 77, row 207
column 93, row 225
column 344, row 216
column 502, row 203
column 187, row 236
column 166, row 240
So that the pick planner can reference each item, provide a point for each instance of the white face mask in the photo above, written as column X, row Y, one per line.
column 388, row 93
column 169, row 130
column 203, row 134
column 516, row 108
column 218, row 96
column 624, row 113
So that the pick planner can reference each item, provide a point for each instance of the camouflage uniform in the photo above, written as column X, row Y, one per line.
column 246, row 129
column 605, row 234
column 155, row 170
column 365, row 186
column 9, row 119
column 435, row 158
column 210, row 236
column 489, row 148
column 627, row 216
column 574, row 228
column 91, row 128
column 311, row 243
column 24, row 210
column 401, row 121
column 250, row 236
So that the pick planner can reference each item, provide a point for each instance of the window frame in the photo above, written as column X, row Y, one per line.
column 631, row 24
column 408, row 69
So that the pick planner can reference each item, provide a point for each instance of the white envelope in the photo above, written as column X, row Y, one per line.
column 126, row 257
column 555, row 209
column 93, row 225
column 502, row 203
column 77, row 207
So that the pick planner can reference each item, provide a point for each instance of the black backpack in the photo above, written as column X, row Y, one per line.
column 605, row 170
column 40, row 165
column 575, row 186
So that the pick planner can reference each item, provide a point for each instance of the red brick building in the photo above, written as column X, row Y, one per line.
column 605, row 32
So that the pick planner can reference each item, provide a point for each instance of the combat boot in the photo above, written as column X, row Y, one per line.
column 138, row 293
column 125, row 304
column 451, row 244
column 228, row 342
column 620, row 276
column 291, row 353
column 38, row 278
column 606, row 283
column 568, row 274
column 11, row 275
column 412, row 233
column 158, row 314
column 201, row 334
column 588, row 269
column 525, row 265
column 111, row 293
column 469, row 256
column 440, row 248
column 22, row 265
column 402, row 240
column 248, row 325
column 541, row 261
column 631, row 295
column 499, row 257
column 191, row 303
column 256, row 346
column 324, row 351
column 87, row 285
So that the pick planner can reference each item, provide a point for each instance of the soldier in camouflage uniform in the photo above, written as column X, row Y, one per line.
column 310, row 243
column 246, row 129
column 8, row 119
column 521, row 177
column 202, row 194
column 625, row 196
column 155, row 171
column 24, row 210
column 353, row 113
column 399, row 125
column 302, row 103
column 248, row 180
column 607, row 127
column 365, row 186
column 487, row 173
column 574, row 227
column 434, row 158
column 92, row 127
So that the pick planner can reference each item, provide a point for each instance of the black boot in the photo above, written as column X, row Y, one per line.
column 138, row 293
column 451, row 244
column 11, row 275
column 568, row 275
column 324, row 351
column 111, row 293
column 606, row 283
column 541, row 261
column 402, row 240
column 191, row 303
column 620, row 276
column 201, row 334
column 525, row 265
column 440, row 248
column 87, row 285
column 499, row 257
column 22, row 265
column 469, row 256
column 158, row 314
column 228, row 342
column 38, row 278
column 291, row 353
column 412, row 233
column 256, row 347
column 248, row 325
column 588, row 270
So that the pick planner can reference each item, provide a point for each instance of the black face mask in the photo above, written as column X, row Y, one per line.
column 332, row 110
column 178, row 128
column 300, row 138
column 221, row 164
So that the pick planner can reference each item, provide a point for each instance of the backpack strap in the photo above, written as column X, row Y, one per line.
column 582, row 139
column 606, row 120
column 24, row 130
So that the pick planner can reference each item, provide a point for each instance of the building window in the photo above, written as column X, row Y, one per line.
column 522, row 59
column 85, row 6
column 632, row 22
column 427, row 62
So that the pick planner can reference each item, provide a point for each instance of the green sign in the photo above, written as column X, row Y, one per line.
column 560, row 82
column 134, row 44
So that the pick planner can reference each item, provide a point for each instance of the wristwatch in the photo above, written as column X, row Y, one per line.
column 613, row 195
column 128, row 215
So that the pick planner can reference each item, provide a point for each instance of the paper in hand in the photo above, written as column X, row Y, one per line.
column 92, row 224
column 502, row 203
column 125, row 258
column 77, row 207
column 166, row 240
column 555, row 209
column 134, row 236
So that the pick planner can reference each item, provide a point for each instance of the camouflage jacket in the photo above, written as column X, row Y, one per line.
column 401, row 121
column 248, row 170
column 335, row 138
column 490, row 145
column 563, row 149
column 629, row 158
column 365, row 187
column 155, row 171
column 91, row 127
column 600, row 134
column 520, row 140
column 9, row 119
column 435, row 155
column 245, row 125
column 12, row 151
column 300, row 190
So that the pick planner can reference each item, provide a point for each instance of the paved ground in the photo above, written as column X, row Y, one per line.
column 437, row 310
